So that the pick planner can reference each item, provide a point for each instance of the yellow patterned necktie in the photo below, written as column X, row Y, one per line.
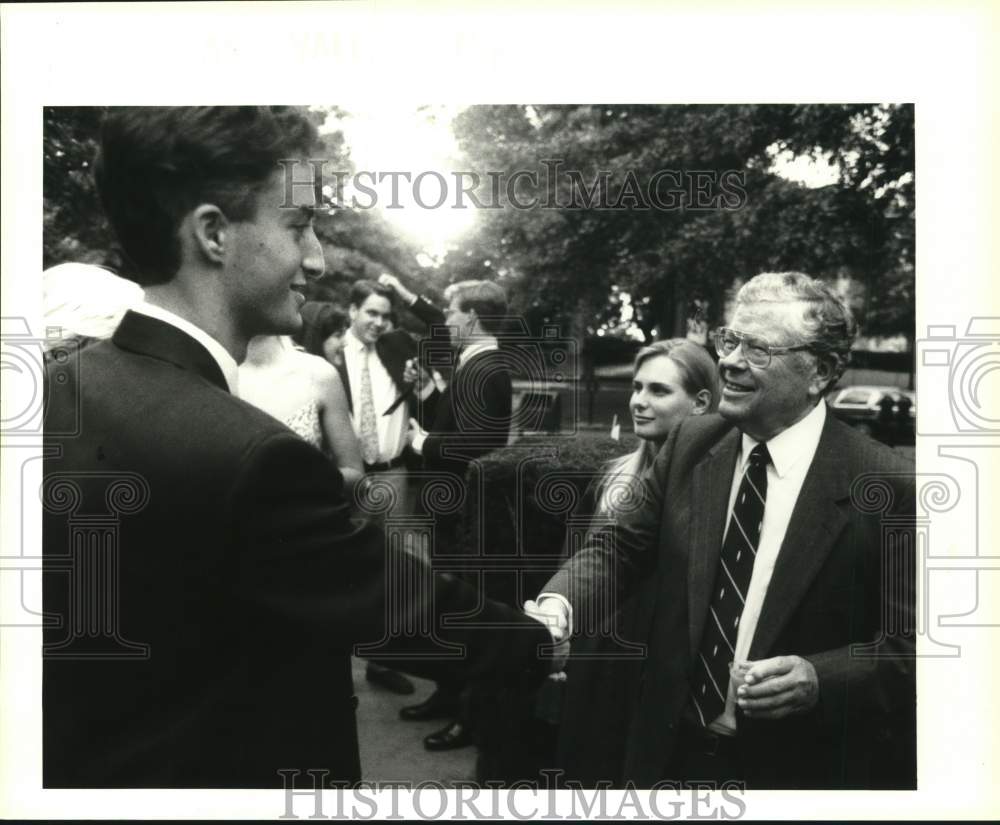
column 369, row 427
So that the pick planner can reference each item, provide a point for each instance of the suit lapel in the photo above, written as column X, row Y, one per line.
column 711, row 483
column 157, row 339
column 393, row 350
column 346, row 381
column 814, row 526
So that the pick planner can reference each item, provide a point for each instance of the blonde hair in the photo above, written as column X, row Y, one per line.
column 698, row 372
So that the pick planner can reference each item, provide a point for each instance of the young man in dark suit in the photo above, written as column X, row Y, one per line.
column 471, row 418
column 778, row 541
column 204, row 579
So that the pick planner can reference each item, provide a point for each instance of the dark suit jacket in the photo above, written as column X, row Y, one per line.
column 833, row 586
column 468, row 420
column 393, row 349
column 231, row 553
column 472, row 416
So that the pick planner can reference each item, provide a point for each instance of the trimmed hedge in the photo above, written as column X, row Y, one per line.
column 888, row 361
column 530, row 489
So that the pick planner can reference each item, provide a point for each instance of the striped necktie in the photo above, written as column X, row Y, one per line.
column 732, row 580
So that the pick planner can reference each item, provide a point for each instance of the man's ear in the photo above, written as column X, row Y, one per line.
column 210, row 230
column 702, row 401
column 826, row 366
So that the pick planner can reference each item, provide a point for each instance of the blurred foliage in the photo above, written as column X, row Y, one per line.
column 562, row 263
column 75, row 228
column 559, row 264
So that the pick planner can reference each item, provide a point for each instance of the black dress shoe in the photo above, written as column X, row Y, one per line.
column 456, row 735
column 436, row 706
column 389, row 679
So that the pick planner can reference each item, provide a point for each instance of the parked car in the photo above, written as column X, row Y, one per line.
column 885, row 413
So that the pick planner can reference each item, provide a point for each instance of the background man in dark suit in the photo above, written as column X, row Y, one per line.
column 471, row 418
column 765, row 555
column 207, row 644
column 472, row 415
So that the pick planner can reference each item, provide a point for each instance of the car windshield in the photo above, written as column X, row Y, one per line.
column 860, row 397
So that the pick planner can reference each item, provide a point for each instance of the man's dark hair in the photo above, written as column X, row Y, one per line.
column 158, row 163
column 363, row 289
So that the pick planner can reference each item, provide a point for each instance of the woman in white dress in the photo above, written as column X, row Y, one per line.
column 84, row 302
column 305, row 393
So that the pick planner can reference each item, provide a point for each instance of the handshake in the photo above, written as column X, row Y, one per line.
column 554, row 613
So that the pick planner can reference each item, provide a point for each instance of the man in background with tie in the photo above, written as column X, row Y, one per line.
column 373, row 376
column 780, row 644
column 372, row 369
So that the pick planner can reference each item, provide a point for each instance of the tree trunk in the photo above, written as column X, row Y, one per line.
column 670, row 309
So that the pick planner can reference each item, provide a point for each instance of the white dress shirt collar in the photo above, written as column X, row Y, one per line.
column 480, row 344
column 789, row 447
column 355, row 344
column 226, row 362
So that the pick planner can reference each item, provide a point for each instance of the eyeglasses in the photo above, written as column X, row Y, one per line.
column 756, row 351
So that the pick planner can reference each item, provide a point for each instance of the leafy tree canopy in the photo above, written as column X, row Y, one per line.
column 595, row 166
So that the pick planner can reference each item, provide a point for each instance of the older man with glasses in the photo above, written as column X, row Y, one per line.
column 779, row 544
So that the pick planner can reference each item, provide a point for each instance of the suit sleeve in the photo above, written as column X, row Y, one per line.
column 427, row 312
column 876, row 674
column 306, row 566
column 616, row 555
column 425, row 409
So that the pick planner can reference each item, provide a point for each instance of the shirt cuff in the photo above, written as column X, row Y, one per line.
column 428, row 390
column 567, row 607
column 418, row 442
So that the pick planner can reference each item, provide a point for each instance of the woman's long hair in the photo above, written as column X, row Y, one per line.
column 698, row 372
column 320, row 320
